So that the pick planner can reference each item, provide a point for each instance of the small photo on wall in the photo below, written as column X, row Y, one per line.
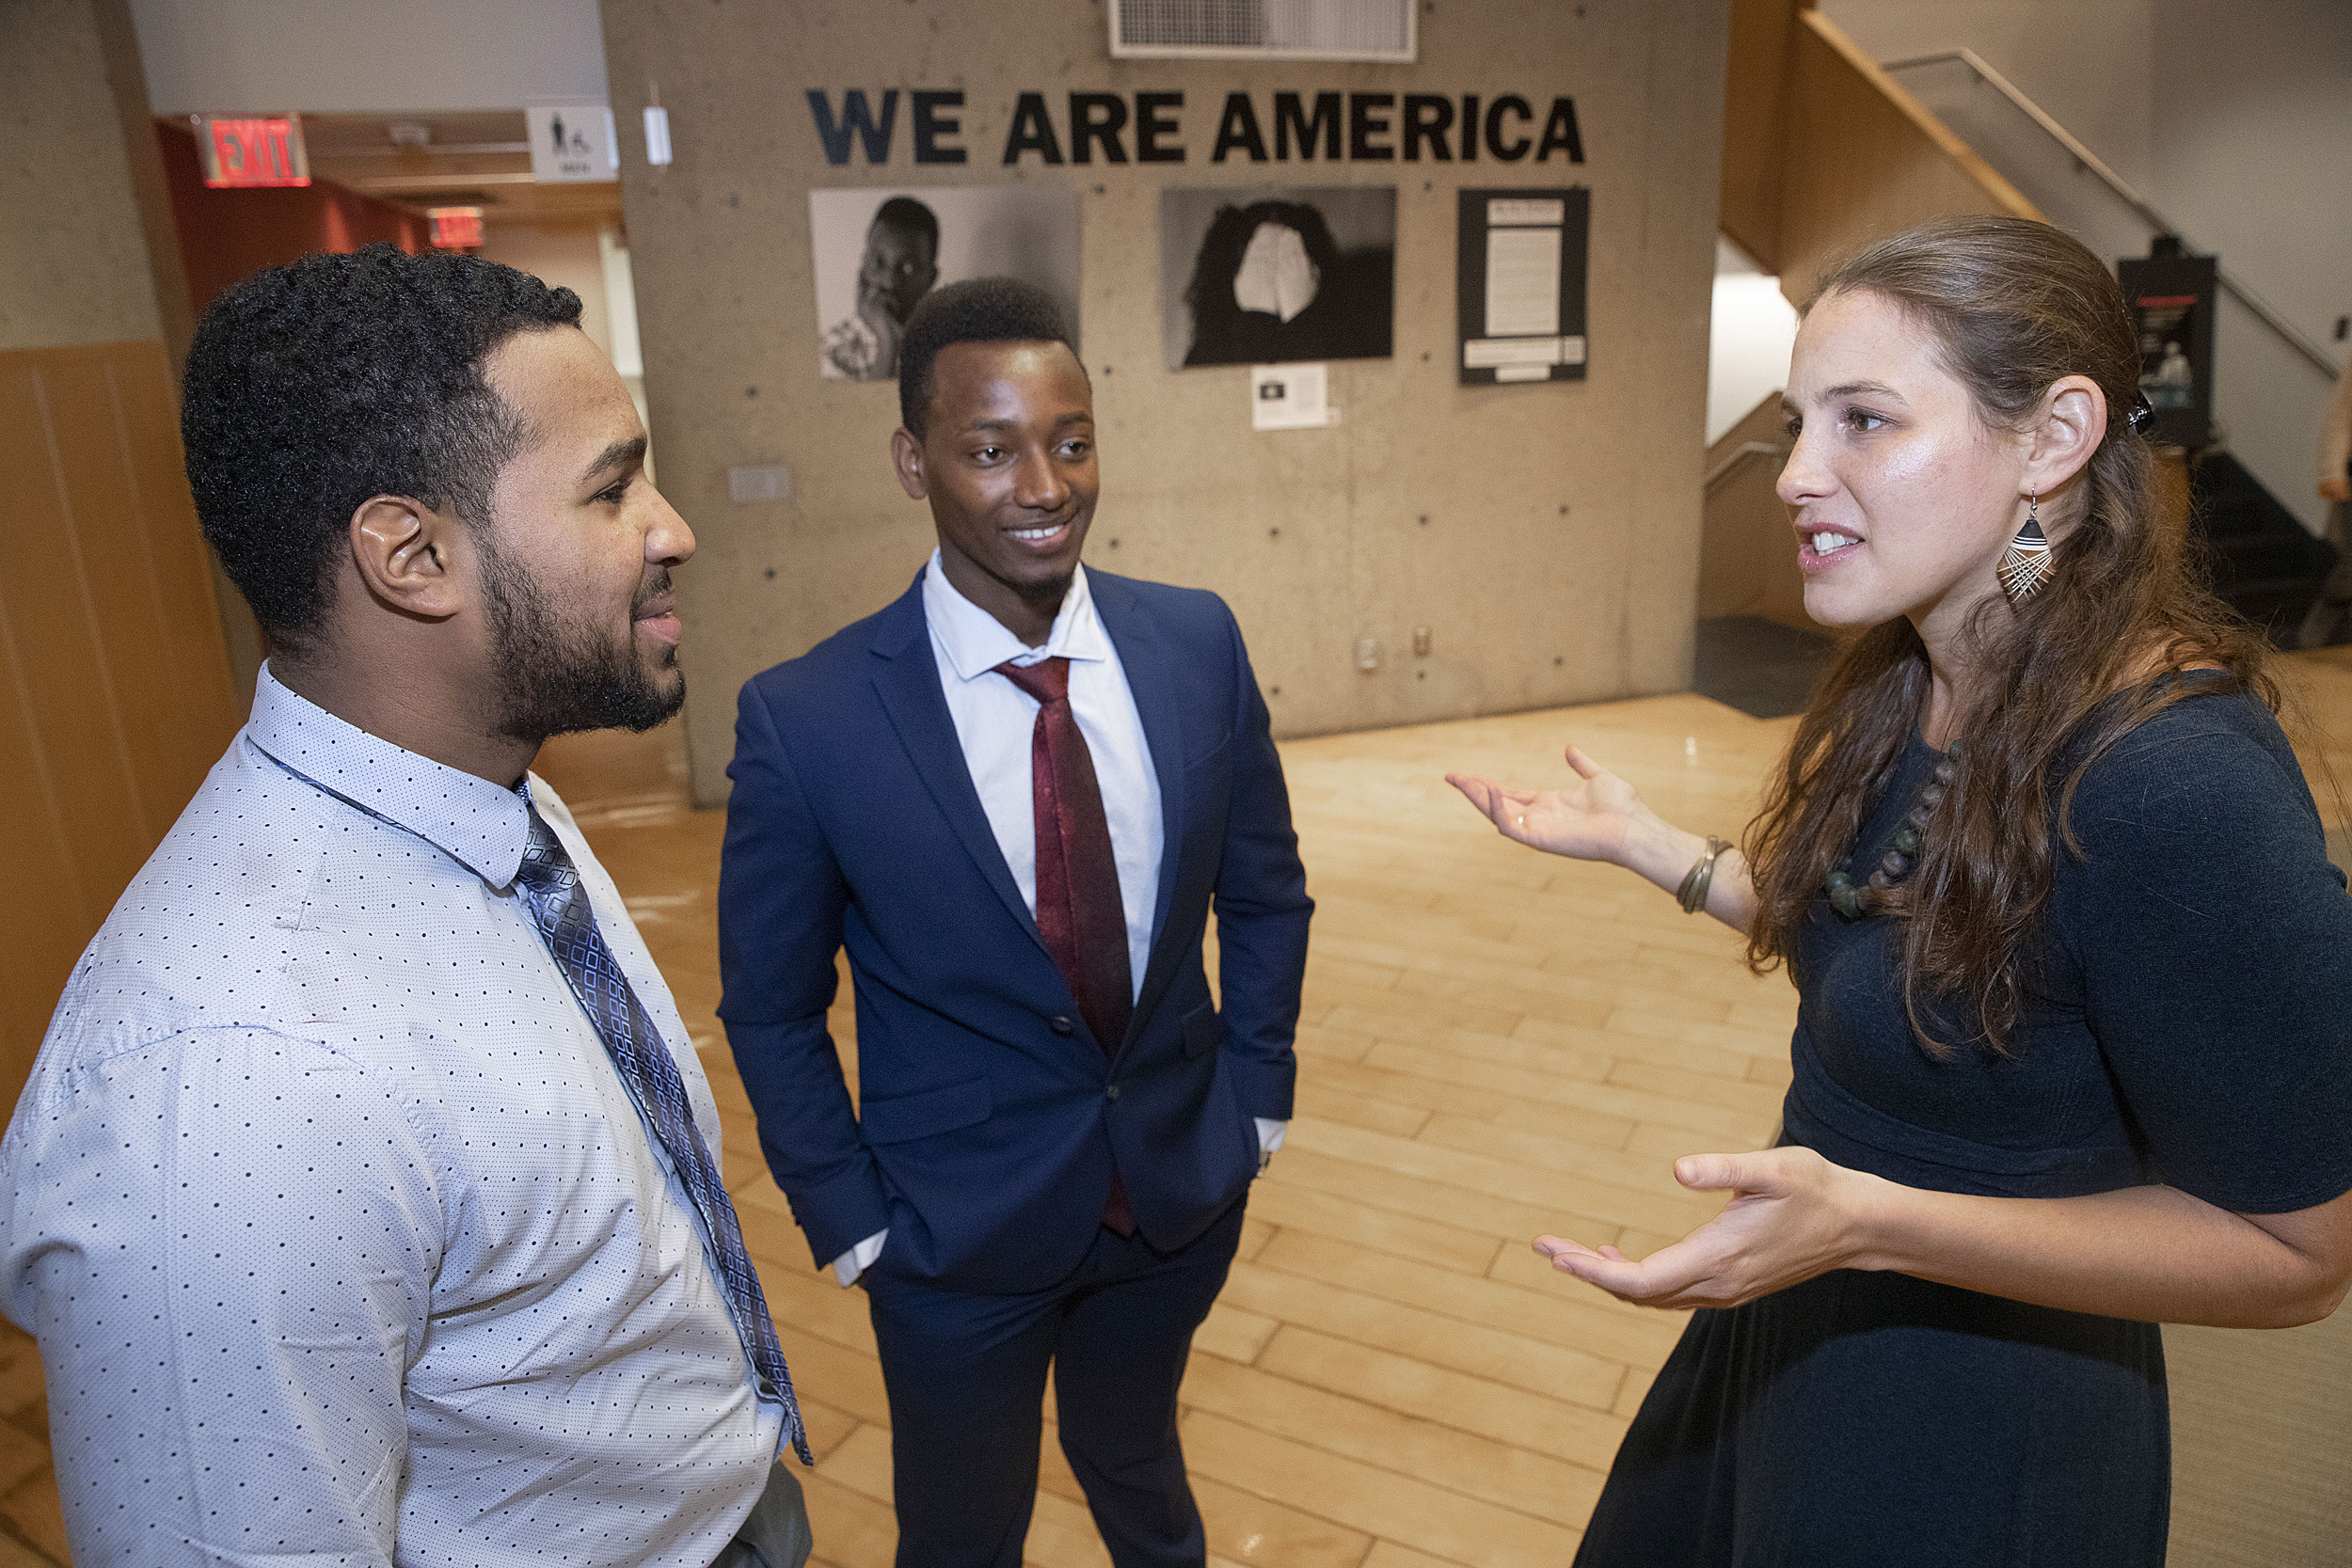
column 1264, row 275
column 877, row 251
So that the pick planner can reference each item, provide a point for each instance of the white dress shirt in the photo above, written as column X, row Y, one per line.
column 994, row 721
column 342, row 1238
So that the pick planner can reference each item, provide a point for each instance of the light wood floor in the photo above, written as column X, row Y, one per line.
column 1495, row 1043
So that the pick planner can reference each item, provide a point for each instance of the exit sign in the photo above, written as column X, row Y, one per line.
column 456, row 228
column 239, row 151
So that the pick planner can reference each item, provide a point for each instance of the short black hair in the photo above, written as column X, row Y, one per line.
column 977, row 310
column 311, row 386
column 910, row 216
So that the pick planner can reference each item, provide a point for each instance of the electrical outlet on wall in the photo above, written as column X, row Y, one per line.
column 1367, row 653
column 767, row 483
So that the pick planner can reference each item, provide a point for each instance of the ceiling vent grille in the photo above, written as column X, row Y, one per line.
column 1379, row 30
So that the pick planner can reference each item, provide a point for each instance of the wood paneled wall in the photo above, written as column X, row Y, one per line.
column 1865, row 158
column 1747, row 558
column 117, row 696
column 1823, row 151
column 1756, row 124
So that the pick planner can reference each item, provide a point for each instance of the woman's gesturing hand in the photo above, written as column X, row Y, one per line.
column 1792, row 1215
column 1590, row 822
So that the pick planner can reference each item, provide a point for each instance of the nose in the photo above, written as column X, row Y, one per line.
column 1803, row 478
column 1039, row 484
column 668, row 541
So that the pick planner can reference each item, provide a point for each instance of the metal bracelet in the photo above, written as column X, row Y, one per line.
column 1691, row 895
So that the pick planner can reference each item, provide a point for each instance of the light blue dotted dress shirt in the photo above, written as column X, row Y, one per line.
column 343, row 1240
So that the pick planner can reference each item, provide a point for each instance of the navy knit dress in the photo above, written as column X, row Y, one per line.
column 2191, row 1024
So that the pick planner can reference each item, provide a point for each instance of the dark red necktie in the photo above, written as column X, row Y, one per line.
column 1079, row 911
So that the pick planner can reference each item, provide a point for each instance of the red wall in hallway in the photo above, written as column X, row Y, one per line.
column 225, row 234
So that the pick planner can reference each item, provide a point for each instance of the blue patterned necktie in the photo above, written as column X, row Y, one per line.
column 550, row 884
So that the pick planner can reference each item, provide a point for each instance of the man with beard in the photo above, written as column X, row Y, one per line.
column 1014, row 796
column 365, row 1197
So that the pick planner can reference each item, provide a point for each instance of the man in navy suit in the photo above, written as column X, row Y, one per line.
column 1014, row 796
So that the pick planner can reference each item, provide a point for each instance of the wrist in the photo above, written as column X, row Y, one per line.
column 1658, row 851
column 1873, row 1208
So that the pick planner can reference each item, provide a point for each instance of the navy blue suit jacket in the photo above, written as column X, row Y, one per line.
column 988, row 1113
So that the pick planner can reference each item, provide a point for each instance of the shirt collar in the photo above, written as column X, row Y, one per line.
column 473, row 821
column 976, row 642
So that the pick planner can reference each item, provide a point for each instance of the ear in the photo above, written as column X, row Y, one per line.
column 906, row 455
column 2071, row 422
column 413, row 559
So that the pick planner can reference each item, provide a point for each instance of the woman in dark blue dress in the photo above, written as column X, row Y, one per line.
column 2074, row 1050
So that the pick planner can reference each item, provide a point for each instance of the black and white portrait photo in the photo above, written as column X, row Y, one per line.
column 877, row 251
column 1270, row 274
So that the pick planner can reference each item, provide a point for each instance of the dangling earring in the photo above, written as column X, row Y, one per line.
column 2025, row 565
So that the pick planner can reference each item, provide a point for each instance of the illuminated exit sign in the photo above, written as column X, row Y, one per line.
column 251, row 152
column 456, row 228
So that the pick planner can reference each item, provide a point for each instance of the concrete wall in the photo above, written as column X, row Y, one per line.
column 2091, row 63
column 2251, row 145
column 74, row 266
column 1547, row 535
column 364, row 57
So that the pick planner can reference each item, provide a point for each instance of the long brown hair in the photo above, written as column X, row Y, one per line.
column 2013, row 306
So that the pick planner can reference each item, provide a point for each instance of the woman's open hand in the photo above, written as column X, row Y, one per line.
column 1590, row 822
column 1792, row 1215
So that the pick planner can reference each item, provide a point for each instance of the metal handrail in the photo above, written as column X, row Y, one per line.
column 1739, row 455
column 2293, row 334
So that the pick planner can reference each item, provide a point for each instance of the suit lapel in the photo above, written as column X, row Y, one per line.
column 906, row 681
column 1149, row 662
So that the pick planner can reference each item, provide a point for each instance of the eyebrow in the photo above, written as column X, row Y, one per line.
column 619, row 454
column 1074, row 417
column 1863, row 388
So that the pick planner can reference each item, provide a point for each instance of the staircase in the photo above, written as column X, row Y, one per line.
column 2271, row 381
column 1824, row 149
column 2263, row 562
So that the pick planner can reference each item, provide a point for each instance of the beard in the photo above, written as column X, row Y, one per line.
column 1046, row 596
column 563, row 676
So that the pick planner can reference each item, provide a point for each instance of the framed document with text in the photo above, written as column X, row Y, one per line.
column 1519, row 285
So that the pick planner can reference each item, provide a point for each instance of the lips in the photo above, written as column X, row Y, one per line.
column 1046, row 536
column 657, row 615
column 1820, row 547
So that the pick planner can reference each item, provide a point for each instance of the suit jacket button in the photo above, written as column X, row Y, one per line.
column 1111, row 1093
column 1062, row 1026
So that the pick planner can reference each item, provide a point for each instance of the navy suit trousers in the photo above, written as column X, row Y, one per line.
column 966, row 1375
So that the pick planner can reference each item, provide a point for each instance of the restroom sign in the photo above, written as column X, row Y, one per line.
column 246, row 151
column 572, row 143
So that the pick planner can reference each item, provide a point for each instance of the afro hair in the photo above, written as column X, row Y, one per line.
column 314, row 385
column 977, row 311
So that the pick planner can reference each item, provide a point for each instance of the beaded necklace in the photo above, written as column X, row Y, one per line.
column 1846, row 896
